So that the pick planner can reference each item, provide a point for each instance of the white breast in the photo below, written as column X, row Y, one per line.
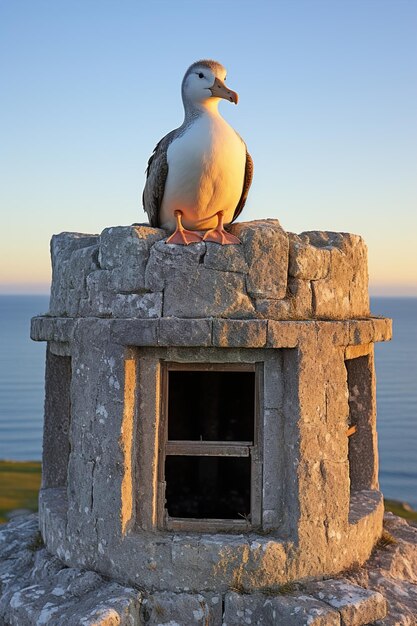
column 206, row 167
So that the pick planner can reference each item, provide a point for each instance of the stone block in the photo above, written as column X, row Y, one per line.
column 272, row 309
column 270, row 610
column 239, row 333
column 73, row 256
column 185, row 332
column 301, row 298
column 197, row 291
column 225, row 258
column 382, row 329
column 86, row 582
column 361, row 332
column 100, row 298
column 182, row 608
column 272, row 488
column 336, row 332
column 45, row 328
column 357, row 606
column 79, row 265
column 265, row 246
column 42, row 328
column 343, row 293
column 168, row 259
column 137, row 332
column 283, row 334
column 307, row 261
column 64, row 244
column 127, row 248
column 130, row 305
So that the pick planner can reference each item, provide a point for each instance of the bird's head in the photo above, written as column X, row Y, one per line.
column 203, row 84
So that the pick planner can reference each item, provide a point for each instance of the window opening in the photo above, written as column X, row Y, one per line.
column 208, row 456
column 361, row 453
column 56, row 443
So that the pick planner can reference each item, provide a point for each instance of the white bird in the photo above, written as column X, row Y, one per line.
column 199, row 175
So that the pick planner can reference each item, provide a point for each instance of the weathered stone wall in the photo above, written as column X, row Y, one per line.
column 129, row 271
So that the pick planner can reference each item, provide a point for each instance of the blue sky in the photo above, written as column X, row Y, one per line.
column 328, row 101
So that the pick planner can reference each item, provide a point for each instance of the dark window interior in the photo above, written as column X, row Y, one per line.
column 56, row 442
column 211, row 405
column 361, row 454
column 208, row 487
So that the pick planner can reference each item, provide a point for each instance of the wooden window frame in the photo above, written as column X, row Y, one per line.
column 210, row 448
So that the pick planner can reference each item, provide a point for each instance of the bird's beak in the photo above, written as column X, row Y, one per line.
column 219, row 90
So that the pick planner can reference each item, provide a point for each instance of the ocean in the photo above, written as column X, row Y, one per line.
column 22, row 379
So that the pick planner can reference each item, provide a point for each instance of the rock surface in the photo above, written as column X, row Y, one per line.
column 37, row 588
column 130, row 272
column 392, row 571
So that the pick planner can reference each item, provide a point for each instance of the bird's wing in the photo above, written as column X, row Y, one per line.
column 156, row 175
column 246, row 184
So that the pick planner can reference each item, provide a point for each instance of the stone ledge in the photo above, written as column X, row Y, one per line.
column 215, row 332
column 363, row 503
column 239, row 333
column 183, row 561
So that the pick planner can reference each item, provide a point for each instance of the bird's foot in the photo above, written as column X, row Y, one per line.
column 182, row 236
column 219, row 235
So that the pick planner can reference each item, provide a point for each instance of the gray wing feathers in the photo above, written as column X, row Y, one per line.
column 246, row 185
column 156, row 174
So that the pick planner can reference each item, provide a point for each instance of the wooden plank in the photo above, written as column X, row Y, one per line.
column 256, row 488
column 208, row 448
column 163, row 423
column 351, row 431
column 256, row 451
column 161, row 503
column 162, row 438
column 206, row 525
column 210, row 367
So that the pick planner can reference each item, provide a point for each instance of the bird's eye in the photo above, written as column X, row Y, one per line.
column 201, row 75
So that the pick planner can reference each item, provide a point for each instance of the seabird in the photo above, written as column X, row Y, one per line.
column 198, row 176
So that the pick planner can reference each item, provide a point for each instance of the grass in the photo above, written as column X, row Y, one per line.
column 37, row 542
column 19, row 486
column 400, row 509
column 385, row 540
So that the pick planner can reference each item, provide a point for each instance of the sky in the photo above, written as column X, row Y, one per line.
column 327, row 107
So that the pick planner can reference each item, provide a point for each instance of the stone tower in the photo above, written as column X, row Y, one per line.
column 210, row 410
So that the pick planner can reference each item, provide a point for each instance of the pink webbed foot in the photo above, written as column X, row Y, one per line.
column 219, row 235
column 182, row 236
